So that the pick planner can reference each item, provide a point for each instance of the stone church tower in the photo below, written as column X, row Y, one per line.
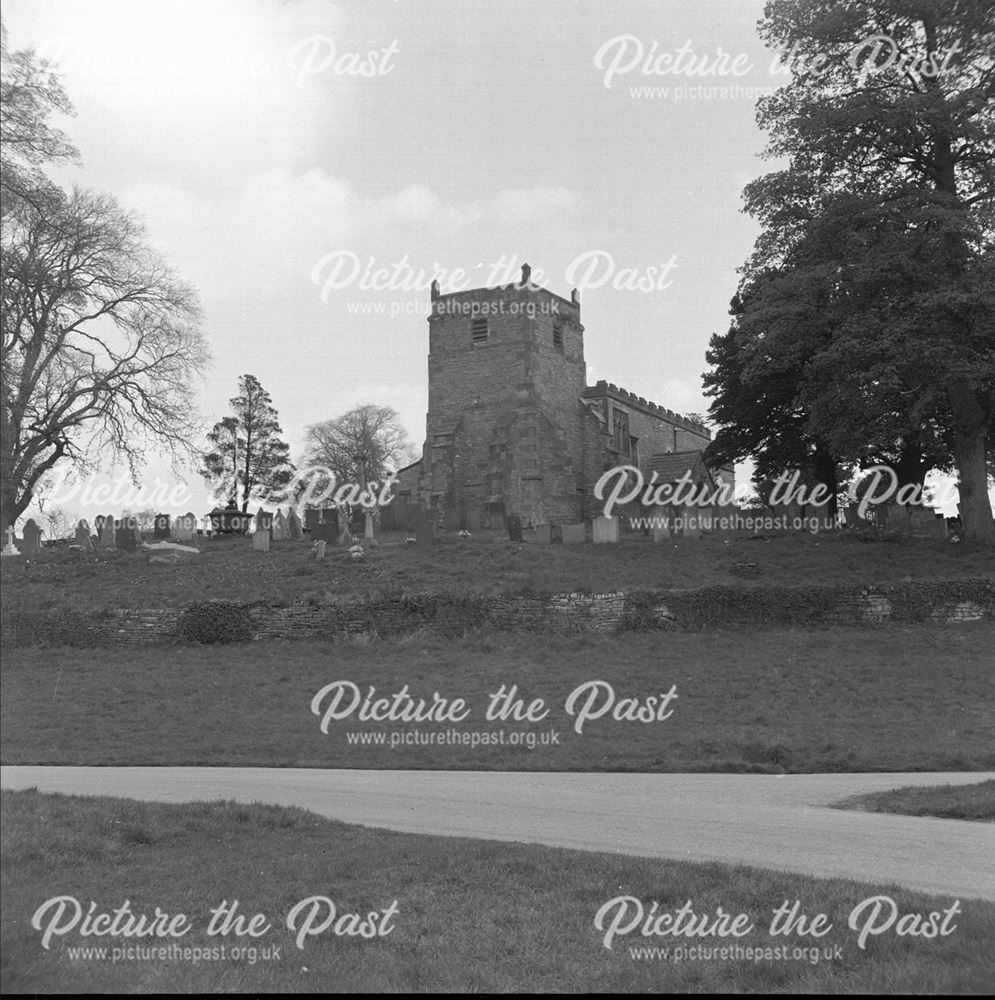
column 505, row 374
column 512, row 427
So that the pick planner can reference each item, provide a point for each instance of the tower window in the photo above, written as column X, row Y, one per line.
column 478, row 330
column 558, row 336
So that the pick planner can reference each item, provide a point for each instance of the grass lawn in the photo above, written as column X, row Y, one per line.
column 946, row 801
column 228, row 568
column 844, row 699
column 464, row 915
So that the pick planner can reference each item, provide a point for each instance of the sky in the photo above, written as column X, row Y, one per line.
column 279, row 151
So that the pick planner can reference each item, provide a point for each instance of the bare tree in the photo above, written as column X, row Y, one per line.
column 365, row 444
column 29, row 94
column 101, row 344
column 57, row 523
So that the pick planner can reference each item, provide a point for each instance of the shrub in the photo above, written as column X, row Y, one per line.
column 212, row 622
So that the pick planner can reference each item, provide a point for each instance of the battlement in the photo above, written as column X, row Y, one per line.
column 523, row 285
column 604, row 388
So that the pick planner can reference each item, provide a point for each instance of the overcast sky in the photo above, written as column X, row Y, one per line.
column 268, row 142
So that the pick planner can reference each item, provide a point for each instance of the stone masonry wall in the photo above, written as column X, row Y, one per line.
column 932, row 602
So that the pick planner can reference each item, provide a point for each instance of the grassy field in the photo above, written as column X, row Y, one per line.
column 460, row 915
column 974, row 802
column 844, row 699
column 229, row 568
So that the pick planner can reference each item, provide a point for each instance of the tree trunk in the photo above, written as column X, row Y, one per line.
column 975, row 505
column 11, row 506
column 970, row 440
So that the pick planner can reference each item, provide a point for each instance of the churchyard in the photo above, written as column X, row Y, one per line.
column 118, row 569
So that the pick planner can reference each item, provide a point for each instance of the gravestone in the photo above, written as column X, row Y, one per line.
column 107, row 532
column 330, row 514
column 661, row 531
column 514, row 523
column 160, row 527
column 319, row 549
column 184, row 527
column 451, row 519
column 264, row 522
column 605, row 530
column 31, row 534
column 10, row 549
column 425, row 533
column 575, row 534
column 328, row 533
column 294, row 528
column 125, row 534
column 280, row 530
column 494, row 515
column 387, row 518
column 83, row 539
column 260, row 537
column 312, row 518
column 544, row 534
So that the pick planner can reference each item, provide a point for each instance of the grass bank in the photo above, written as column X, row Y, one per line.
column 464, row 916
column 844, row 699
column 973, row 802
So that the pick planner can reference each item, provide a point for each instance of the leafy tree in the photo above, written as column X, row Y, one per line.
column 869, row 300
column 364, row 445
column 247, row 456
column 101, row 343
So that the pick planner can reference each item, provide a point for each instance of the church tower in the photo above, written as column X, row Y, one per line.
column 505, row 425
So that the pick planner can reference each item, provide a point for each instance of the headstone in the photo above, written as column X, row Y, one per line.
column 514, row 523
column 330, row 514
column 160, row 527
column 184, row 527
column 661, row 531
column 494, row 515
column 388, row 517
column 260, row 539
column 328, row 533
column 368, row 524
column 425, row 533
column 10, row 549
column 451, row 519
column 312, row 518
column 125, row 537
column 280, row 530
column 263, row 522
column 319, row 549
column 294, row 527
column 544, row 534
column 574, row 534
column 32, row 538
column 852, row 519
column 83, row 539
column 107, row 540
column 605, row 529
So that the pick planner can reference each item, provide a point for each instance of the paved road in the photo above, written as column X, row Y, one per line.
column 769, row 821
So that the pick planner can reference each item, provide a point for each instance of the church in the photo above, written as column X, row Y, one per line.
column 512, row 427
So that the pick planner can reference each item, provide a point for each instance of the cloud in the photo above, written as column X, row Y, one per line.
column 278, row 224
